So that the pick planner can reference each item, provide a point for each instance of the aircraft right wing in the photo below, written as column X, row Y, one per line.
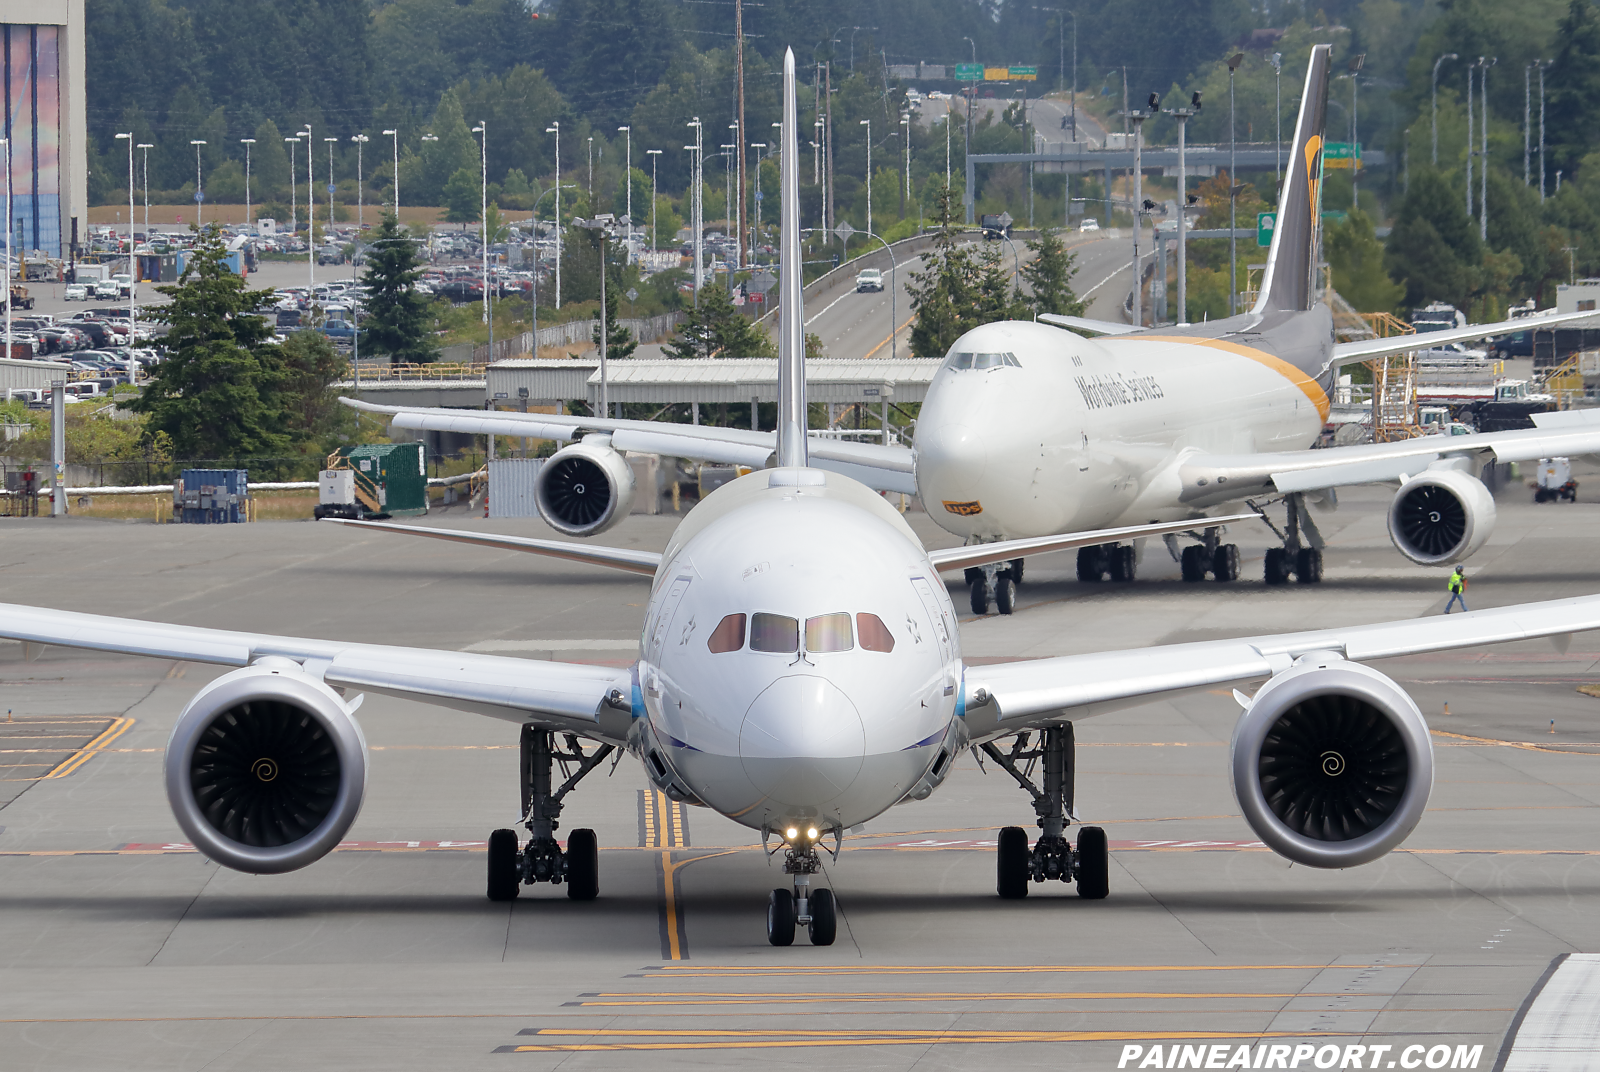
column 1346, row 353
column 645, row 562
column 879, row 466
column 982, row 554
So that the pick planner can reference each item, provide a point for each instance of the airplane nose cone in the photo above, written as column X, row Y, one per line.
column 951, row 462
column 802, row 741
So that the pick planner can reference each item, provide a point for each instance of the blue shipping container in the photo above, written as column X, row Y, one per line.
column 213, row 496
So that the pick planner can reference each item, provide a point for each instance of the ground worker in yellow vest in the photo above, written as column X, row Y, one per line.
column 1458, row 585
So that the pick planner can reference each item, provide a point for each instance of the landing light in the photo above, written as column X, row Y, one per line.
column 792, row 833
column 811, row 834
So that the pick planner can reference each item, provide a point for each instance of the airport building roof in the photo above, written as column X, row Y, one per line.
column 711, row 380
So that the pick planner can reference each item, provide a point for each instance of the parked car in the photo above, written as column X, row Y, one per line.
column 869, row 279
column 75, row 292
column 339, row 329
column 107, row 289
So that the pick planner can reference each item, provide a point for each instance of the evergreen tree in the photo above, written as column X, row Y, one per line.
column 1049, row 276
column 397, row 321
column 1434, row 248
column 216, row 393
column 1573, row 88
column 997, row 298
column 1355, row 257
column 312, row 413
column 716, row 328
column 463, row 196
column 620, row 342
column 942, row 294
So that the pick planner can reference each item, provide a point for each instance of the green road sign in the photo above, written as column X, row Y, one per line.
column 969, row 72
column 1341, row 150
column 1265, row 223
column 1024, row 74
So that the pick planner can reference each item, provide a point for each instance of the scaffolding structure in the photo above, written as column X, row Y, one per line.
column 1394, row 383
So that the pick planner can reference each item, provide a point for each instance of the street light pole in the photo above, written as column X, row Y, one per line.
column 133, row 270
column 972, row 91
column 395, row 134
column 736, row 163
column 698, row 217
column 331, row 183
column 311, row 209
column 294, row 187
column 1527, row 122
column 144, row 148
column 868, row 124
column 755, row 236
column 11, row 350
column 361, row 142
column 1545, row 66
column 1277, row 145
column 199, row 192
column 1137, row 119
column 905, row 122
column 652, row 154
column 591, row 172
column 1356, row 64
column 1183, row 115
column 483, row 228
column 246, row 142
column 1233, row 196
column 1436, row 63
column 1470, row 68
column 628, row 176
column 1483, row 170
column 555, row 128
column 425, row 138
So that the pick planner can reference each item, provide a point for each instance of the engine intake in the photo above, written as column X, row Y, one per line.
column 1441, row 516
column 266, row 768
column 1332, row 764
column 585, row 489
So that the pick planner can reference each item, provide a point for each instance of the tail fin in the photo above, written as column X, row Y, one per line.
column 791, row 332
column 1290, row 281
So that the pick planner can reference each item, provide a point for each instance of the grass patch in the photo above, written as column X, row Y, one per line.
column 157, row 508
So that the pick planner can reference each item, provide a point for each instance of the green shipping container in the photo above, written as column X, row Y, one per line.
column 391, row 478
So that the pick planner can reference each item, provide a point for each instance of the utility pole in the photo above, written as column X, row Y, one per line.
column 740, row 137
column 905, row 197
column 294, row 187
column 591, row 172
column 628, row 174
column 1543, row 68
column 483, row 215
column 1233, row 193
column 827, row 144
column 868, row 124
column 1183, row 115
column 199, row 190
column 1527, row 122
column 697, row 209
column 144, row 148
column 1436, row 63
column 331, row 183
column 395, row 135
column 1470, row 68
column 361, row 204
column 1277, row 145
column 1137, row 119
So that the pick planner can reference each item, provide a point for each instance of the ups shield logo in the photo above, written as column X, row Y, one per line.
column 964, row 509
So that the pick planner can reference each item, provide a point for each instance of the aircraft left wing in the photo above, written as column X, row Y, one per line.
column 1006, row 697
column 879, row 466
column 592, row 700
column 1346, row 353
column 982, row 554
column 1215, row 478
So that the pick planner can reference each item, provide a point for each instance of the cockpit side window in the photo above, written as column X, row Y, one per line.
column 829, row 632
column 728, row 635
column 875, row 636
column 774, row 632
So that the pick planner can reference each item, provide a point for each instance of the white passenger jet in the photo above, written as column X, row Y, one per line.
column 1030, row 429
column 799, row 672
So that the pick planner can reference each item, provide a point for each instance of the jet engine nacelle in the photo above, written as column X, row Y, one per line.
column 585, row 488
column 1331, row 763
column 1441, row 516
column 266, row 768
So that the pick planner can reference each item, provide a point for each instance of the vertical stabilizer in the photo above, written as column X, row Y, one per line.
column 791, row 329
column 1290, row 280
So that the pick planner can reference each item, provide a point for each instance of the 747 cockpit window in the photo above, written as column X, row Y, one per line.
column 981, row 361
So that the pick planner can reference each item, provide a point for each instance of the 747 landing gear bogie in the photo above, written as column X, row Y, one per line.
column 1209, row 556
column 1294, row 559
column 788, row 909
column 1118, row 561
column 995, row 583
column 1052, row 857
column 542, row 858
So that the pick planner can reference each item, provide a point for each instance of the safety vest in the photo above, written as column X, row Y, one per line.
column 1456, row 581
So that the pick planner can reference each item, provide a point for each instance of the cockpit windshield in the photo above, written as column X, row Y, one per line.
column 966, row 360
column 781, row 634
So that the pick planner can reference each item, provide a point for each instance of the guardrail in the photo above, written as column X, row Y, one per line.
column 438, row 370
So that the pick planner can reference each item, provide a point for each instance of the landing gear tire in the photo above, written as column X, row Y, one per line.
column 1091, row 564
column 824, row 918
column 1005, row 594
column 1277, row 569
column 1094, row 864
column 972, row 575
column 780, row 918
column 1308, row 566
column 1124, row 564
column 980, row 596
column 504, row 882
column 1193, row 563
column 1016, row 570
column 583, row 866
column 1012, row 865
column 1225, row 563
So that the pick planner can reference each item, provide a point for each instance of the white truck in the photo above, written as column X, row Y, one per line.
column 1555, row 481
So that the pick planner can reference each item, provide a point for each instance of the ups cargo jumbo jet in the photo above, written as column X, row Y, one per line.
column 799, row 672
column 1030, row 429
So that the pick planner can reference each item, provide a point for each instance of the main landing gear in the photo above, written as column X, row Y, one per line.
column 996, row 581
column 1118, row 561
column 1052, row 856
column 542, row 860
column 1293, row 559
column 1207, row 556
column 789, row 908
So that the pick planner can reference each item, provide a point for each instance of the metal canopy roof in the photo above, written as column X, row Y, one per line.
column 660, row 381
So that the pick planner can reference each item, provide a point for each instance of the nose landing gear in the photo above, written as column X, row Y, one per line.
column 786, row 909
column 1052, row 856
column 542, row 859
